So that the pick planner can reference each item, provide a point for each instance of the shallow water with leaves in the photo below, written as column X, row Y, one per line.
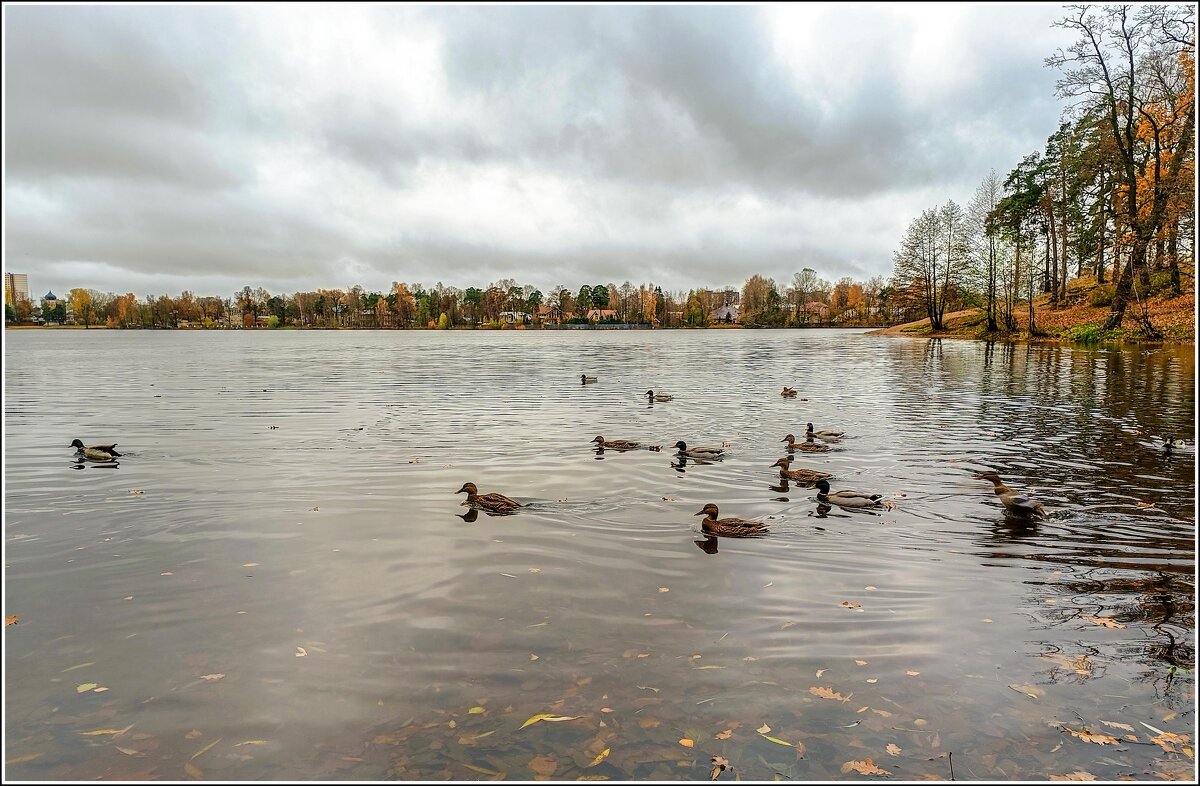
column 277, row 581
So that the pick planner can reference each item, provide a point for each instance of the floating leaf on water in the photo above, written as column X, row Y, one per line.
column 1086, row 735
column 647, row 687
column 600, row 757
column 893, row 749
column 861, row 662
column 1116, row 725
column 865, row 767
column 98, row 732
column 664, row 589
column 212, row 677
column 193, row 734
column 206, row 748
column 723, row 735
column 788, row 624
column 11, row 619
column 1078, row 775
column 720, row 764
column 250, row 742
column 852, row 604
column 1032, row 691
column 549, row 718
column 607, row 709
column 763, row 729
column 702, row 668
column 882, row 713
column 128, row 751
column 535, row 570
column 777, row 741
column 301, row 652
column 249, row 564
column 532, row 657
column 1145, row 504
column 476, row 711
column 826, row 693
column 685, row 742
column 820, row 672
column 870, row 588
column 26, row 758
column 85, row 687
column 913, row 673
column 986, row 619
column 99, row 690
column 79, row 666
column 1107, row 622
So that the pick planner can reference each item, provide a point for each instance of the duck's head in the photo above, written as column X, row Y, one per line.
column 709, row 510
column 783, row 462
column 599, row 440
column 823, row 486
column 76, row 444
column 469, row 488
column 583, row 377
column 808, row 428
column 991, row 475
column 681, row 445
column 650, row 394
column 788, row 438
column 1170, row 442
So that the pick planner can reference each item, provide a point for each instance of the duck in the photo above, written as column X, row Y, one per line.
column 808, row 445
column 652, row 396
column 699, row 452
column 846, row 498
column 1171, row 443
column 1014, row 503
column 731, row 527
column 95, row 452
column 788, row 392
column 800, row 475
column 615, row 444
column 809, row 433
column 496, row 503
column 584, row 378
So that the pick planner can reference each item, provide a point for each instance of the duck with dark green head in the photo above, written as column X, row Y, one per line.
column 95, row 452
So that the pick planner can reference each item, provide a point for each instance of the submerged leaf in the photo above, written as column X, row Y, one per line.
column 865, row 767
column 763, row 729
column 777, row 741
column 600, row 757
column 543, row 766
column 827, row 693
column 193, row 770
column 481, row 770
column 548, row 717
column 1078, row 775
column 893, row 749
column 85, row 687
column 685, row 742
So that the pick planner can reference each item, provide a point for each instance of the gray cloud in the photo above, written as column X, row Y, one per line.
column 212, row 147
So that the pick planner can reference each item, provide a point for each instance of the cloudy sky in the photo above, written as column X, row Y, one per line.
column 157, row 149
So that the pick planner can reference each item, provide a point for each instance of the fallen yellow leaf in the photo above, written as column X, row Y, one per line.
column 549, row 718
column 776, row 740
column 763, row 729
column 206, row 748
column 1091, row 736
column 85, row 687
column 100, row 731
column 249, row 564
column 685, row 742
column 893, row 749
column 476, row 711
column 865, row 767
column 826, row 693
column 1116, row 725
column 912, row 673
column 250, row 742
column 600, row 757
column 11, row 619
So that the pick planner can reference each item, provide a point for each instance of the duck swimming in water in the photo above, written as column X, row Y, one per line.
column 95, row 452
column 808, row 445
column 652, row 396
column 809, row 433
column 699, row 452
column 1014, row 503
column 615, row 444
column 584, row 378
column 496, row 503
column 788, row 392
column 847, row 499
column 799, row 475
column 730, row 527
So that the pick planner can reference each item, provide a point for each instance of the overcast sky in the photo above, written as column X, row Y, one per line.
column 157, row 149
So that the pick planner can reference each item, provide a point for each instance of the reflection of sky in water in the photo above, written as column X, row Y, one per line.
column 339, row 533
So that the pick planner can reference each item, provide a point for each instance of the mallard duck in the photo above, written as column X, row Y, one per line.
column 808, row 445
column 1171, row 443
column 1014, row 503
column 809, row 433
column 584, row 378
column 799, row 475
column 615, row 444
column 699, row 452
column 652, row 396
column 731, row 527
column 497, row 503
column 788, row 392
column 95, row 452
column 846, row 498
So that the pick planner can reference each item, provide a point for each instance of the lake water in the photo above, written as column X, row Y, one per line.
column 276, row 580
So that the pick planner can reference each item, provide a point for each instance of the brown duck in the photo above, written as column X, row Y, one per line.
column 808, row 445
column 731, row 527
column 799, row 475
column 496, row 503
column 1014, row 503
column 615, row 444
column 788, row 392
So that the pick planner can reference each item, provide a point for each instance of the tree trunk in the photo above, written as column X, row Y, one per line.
column 1173, row 258
column 1052, row 257
column 1137, row 258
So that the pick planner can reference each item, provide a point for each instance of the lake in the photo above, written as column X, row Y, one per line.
column 277, row 580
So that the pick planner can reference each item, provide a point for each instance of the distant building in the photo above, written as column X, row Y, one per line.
column 727, row 314
column 16, row 288
column 599, row 314
column 50, row 300
column 514, row 317
column 549, row 312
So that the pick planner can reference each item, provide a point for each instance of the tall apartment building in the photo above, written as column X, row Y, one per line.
column 16, row 286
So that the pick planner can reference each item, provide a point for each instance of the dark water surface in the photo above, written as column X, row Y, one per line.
column 276, row 582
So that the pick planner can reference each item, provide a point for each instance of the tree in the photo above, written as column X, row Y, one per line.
column 932, row 258
column 803, row 284
column 80, row 301
column 598, row 296
column 1116, row 68
column 983, row 243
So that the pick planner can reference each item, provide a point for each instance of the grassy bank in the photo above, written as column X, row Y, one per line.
column 1080, row 319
